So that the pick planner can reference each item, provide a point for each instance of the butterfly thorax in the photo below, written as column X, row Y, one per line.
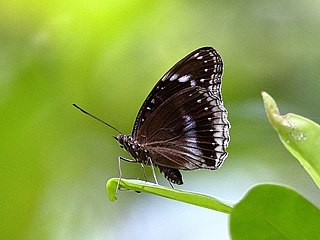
column 136, row 150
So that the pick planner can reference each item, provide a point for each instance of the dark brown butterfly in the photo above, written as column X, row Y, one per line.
column 183, row 125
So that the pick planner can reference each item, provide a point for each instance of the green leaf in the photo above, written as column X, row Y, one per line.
column 299, row 135
column 274, row 212
column 182, row 196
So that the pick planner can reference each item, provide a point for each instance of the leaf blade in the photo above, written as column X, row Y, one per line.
column 274, row 212
column 299, row 135
column 193, row 198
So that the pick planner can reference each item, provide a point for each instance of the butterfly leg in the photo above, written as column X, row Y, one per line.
column 120, row 174
column 119, row 166
column 128, row 160
column 171, row 185
column 153, row 171
column 144, row 172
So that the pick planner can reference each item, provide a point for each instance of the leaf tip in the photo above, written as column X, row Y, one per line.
column 269, row 104
column 271, row 109
column 111, row 188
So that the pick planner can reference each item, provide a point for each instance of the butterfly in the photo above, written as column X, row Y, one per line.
column 182, row 124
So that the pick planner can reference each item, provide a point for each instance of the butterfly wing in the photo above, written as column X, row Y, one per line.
column 183, row 122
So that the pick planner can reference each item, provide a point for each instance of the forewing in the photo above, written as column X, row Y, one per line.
column 203, row 67
column 183, row 122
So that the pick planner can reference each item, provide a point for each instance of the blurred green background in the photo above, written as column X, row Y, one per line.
column 106, row 56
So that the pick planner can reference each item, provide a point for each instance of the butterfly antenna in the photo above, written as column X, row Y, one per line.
column 89, row 114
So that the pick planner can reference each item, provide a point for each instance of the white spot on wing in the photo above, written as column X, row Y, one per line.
column 218, row 134
column 174, row 77
column 196, row 151
column 219, row 148
column 190, row 125
column 184, row 78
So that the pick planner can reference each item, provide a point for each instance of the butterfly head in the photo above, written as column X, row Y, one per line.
column 120, row 139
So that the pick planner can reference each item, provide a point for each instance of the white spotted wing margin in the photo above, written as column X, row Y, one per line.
column 183, row 124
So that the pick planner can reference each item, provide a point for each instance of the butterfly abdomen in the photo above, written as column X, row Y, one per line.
column 173, row 175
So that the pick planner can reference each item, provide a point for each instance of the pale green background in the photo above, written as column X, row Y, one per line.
column 106, row 56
